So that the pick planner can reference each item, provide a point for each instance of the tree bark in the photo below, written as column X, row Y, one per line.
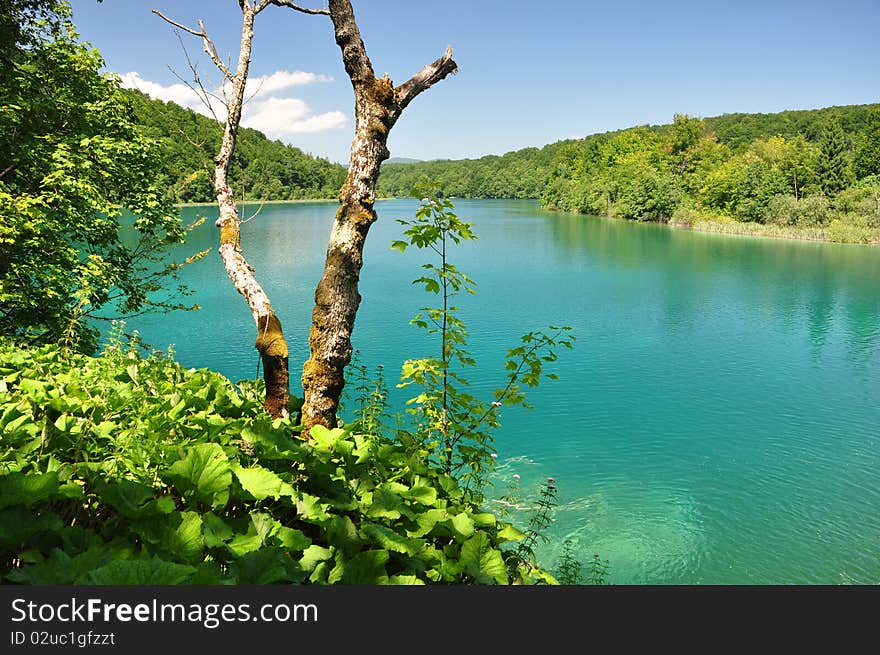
column 270, row 340
column 378, row 105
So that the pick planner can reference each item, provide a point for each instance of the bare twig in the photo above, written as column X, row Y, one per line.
column 210, row 48
column 255, row 214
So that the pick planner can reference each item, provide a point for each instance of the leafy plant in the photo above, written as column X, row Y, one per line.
column 598, row 571
column 568, row 569
column 129, row 469
column 454, row 424
column 74, row 160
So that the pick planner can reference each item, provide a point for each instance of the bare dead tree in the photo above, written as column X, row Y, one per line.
column 378, row 105
column 270, row 340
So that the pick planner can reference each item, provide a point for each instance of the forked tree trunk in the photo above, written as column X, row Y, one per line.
column 378, row 105
column 270, row 340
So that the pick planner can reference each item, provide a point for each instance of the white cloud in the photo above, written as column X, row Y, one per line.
column 280, row 80
column 277, row 117
column 179, row 93
column 280, row 117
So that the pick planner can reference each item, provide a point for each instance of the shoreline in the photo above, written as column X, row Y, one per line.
column 767, row 231
column 734, row 228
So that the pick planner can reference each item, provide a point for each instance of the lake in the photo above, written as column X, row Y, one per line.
column 716, row 422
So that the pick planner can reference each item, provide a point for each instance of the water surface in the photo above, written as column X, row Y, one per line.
column 716, row 422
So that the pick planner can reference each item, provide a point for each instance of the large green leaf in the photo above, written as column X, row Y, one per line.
column 422, row 494
column 141, row 572
column 261, row 483
column 427, row 520
column 177, row 535
column 203, row 474
column 133, row 499
column 405, row 580
column 215, row 531
column 266, row 566
column 26, row 489
column 342, row 533
column 482, row 562
column 390, row 540
column 314, row 554
column 463, row 525
column 18, row 524
column 365, row 568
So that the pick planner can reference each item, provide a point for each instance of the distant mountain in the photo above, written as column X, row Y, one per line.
column 403, row 160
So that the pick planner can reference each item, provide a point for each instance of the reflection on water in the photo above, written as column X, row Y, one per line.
column 715, row 423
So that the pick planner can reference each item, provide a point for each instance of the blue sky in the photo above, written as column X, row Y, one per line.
column 530, row 73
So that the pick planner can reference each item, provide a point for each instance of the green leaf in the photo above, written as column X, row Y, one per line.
column 390, row 540
column 203, row 474
column 18, row 524
column 510, row 533
column 215, row 531
column 309, row 508
column 26, row 489
column 261, row 483
column 405, row 580
column 266, row 566
column 312, row 555
column 482, row 562
column 177, row 536
column 484, row 520
column 132, row 499
column 141, row 572
column 463, row 525
column 342, row 533
column 365, row 568
column 427, row 520
column 422, row 494
column 324, row 438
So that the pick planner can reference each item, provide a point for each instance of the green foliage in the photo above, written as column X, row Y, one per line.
column 598, row 571
column 371, row 396
column 832, row 166
column 261, row 168
column 811, row 211
column 729, row 166
column 866, row 159
column 540, row 520
column 568, row 568
column 129, row 469
column 451, row 422
column 520, row 174
column 73, row 161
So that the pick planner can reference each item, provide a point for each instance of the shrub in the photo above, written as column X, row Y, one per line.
column 125, row 469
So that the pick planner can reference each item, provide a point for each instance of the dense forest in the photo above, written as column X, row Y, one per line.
column 810, row 172
column 261, row 169
column 802, row 173
column 525, row 173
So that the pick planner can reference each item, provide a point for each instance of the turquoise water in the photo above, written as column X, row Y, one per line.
column 716, row 423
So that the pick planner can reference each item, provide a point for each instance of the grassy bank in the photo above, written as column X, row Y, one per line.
column 835, row 233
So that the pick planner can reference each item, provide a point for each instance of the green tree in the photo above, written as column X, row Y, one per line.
column 832, row 166
column 866, row 159
column 71, row 161
column 685, row 133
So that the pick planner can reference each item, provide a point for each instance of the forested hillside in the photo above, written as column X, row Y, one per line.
column 525, row 173
column 809, row 174
column 261, row 169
